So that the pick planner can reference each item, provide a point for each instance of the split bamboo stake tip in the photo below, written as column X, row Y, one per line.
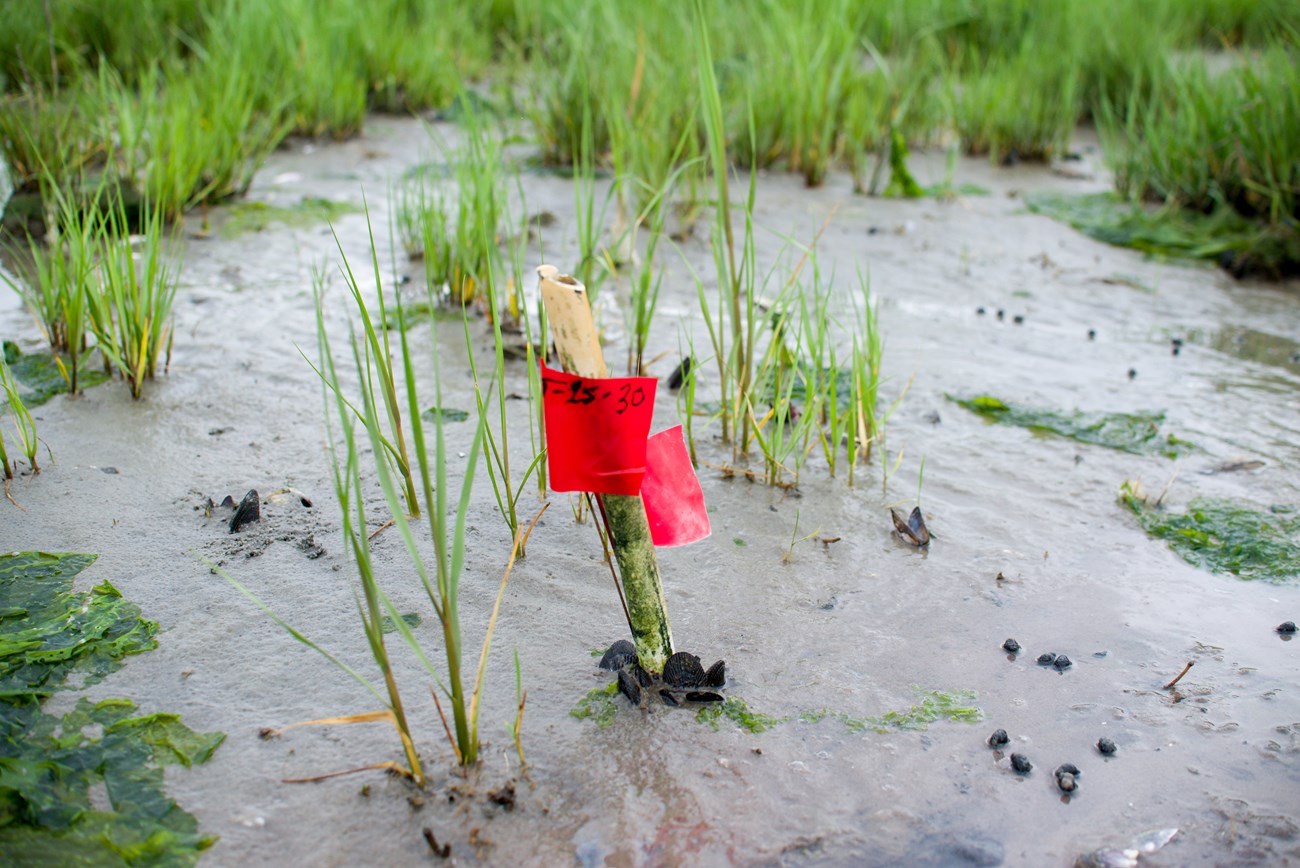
column 550, row 272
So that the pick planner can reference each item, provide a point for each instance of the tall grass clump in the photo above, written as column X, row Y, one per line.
column 1210, row 143
column 734, row 265
column 56, row 284
column 360, row 424
column 441, row 578
column 129, row 307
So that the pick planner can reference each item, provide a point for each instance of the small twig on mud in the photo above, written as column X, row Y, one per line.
column 1186, row 669
column 11, row 497
column 1168, row 485
column 388, row 765
column 442, row 851
column 445, row 728
column 383, row 527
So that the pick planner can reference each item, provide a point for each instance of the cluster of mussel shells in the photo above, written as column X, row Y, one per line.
column 684, row 678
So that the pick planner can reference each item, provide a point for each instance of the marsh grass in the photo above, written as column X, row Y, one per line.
column 440, row 575
column 55, row 286
column 24, row 427
column 129, row 307
column 379, row 372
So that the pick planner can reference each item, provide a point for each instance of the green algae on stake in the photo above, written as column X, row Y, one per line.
column 1225, row 537
column 1135, row 433
column 48, row 765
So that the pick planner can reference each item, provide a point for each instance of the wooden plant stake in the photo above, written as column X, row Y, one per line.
column 569, row 317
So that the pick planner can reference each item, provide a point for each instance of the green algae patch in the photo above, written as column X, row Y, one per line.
column 1244, row 246
column 735, row 710
column 41, row 374
column 1135, row 433
column 933, row 706
column 1225, row 537
column 258, row 216
column 49, row 765
column 48, row 631
column 598, row 705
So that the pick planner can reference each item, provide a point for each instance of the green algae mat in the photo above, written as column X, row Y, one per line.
column 1135, row 433
column 1225, row 537
column 53, row 638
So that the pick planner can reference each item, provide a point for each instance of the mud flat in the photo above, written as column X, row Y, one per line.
column 836, row 633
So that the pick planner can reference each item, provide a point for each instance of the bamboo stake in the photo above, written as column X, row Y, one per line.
column 574, row 330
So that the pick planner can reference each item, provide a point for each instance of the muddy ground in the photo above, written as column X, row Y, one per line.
column 851, row 626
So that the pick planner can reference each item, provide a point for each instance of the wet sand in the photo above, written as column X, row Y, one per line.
column 852, row 626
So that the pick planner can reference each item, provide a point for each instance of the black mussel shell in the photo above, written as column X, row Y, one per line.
column 683, row 670
column 1067, row 769
column 999, row 738
column 913, row 529
column 717, row 675
column 1011, row 646
column 680, row 373
column 628, row 687
column 668, row 698
column 229, row 502
column 249, row 510
column 1062, row 662
column 1106, row 746
column 1286, row 627
column 642, row 677
column 619, row 655
column 1021, row 764
column 1046, row 659
column 703, row 696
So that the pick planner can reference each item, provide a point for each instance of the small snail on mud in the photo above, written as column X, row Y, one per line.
column 1106, row 746
column 1011, row 646
column 999, row 738
column 1286, row 627
column 1067, row 777
column 1046, row 659
column 1062, row 662
column 1021, row 764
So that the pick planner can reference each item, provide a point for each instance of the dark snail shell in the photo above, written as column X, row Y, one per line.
column 619, row 655
column 1011, row 646
column 1067, row 782
column 1067, row 769
column 1021, row 764
column 683, row 670
column 999, row 738
column 1062, row 662
column 1106, row 746
column 1046, row 659
column 1286, row 627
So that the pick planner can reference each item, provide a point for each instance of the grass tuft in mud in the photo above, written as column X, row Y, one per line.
column 1135, row 433
column 1224, row 537
column 49, row 765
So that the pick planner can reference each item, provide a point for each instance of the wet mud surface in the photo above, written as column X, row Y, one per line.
column 1028, row 541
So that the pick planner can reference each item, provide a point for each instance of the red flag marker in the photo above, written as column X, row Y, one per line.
column 674, row 501
column 596, row 431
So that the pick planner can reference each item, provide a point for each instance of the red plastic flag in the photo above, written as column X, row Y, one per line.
column 674, row 501
column 596, row 431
